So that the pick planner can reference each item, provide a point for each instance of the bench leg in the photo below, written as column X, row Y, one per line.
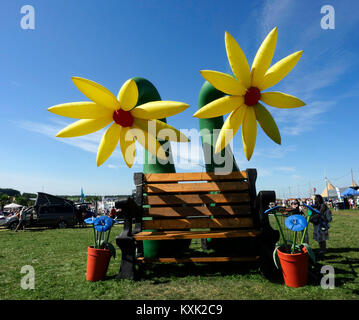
column 267, row 242
column 128, row 262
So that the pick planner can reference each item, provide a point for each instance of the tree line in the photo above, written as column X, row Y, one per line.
column 8, row 195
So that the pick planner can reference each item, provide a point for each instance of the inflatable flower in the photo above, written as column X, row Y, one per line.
column 90, row 220
column 129, row 122
column 103, row 223
column 296, row 222
column 244, row 91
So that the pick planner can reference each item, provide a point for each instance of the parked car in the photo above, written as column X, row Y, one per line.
column 3, row 219
column 48, row 211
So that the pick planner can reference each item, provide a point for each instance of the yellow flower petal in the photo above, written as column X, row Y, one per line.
column 237, row 60
column 158, row 109
column 161, row 130
column 224, row 82
column 108, row 143
column 83, row 127
column 128, row 95
column 96, row 93
column 263, row 58
column 281, row 100
column 230, row 128
column 149, row 142
column 278, row 71
column 219, row 107
column 80, row 110
column 128, row 146
column 267, row 123
column 249, row 132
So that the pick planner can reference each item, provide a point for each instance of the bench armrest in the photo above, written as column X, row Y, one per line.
column 264, row 198
column 128, row 209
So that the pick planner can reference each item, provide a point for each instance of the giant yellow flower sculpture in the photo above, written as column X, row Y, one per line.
column 125, row 117
column 244, row 91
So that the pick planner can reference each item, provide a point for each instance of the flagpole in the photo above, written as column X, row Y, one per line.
column 352, row 177
column 326, row 183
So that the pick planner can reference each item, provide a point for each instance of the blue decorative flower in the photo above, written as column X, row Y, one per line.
column 296, row 222
column 90, row 220
column 103, row 223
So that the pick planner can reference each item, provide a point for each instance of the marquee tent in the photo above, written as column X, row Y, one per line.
column 350, row 192
column 12, row 206
column 329, row 191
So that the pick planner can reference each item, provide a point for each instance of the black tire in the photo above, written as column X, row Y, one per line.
column 13, row 225
column 62, row 225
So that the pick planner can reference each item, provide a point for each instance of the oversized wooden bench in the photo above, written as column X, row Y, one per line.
column 180, row 206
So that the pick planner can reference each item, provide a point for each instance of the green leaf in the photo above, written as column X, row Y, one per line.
column 310, row 252
column 112, row 250
column 275, row 257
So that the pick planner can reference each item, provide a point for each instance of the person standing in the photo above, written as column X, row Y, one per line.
column 321, row 223
column 296, row 209
column 113, row 213
column 22, row 218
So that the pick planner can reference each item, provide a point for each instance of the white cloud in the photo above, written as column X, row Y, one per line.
column 274, row 13
column 88, row 143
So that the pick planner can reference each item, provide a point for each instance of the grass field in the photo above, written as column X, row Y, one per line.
column 59, row 260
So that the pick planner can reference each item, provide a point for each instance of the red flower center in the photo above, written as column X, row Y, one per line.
column 252, row 96
column 123, row 118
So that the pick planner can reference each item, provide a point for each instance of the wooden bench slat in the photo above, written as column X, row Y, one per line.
column 198, row 259
column 196, row 187
column 196, row 198
column 196, row 211
column 203, row 223
column 176, row 235
column 193, row 176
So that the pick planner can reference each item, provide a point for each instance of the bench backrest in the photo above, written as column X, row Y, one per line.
column 197, row 200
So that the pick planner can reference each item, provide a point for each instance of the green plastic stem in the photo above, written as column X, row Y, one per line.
column 305, row 230
column 94, row 233
column 281, row 230
column 294, row 242
column 208, row 94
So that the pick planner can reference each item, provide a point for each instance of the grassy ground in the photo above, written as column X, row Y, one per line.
column 59, row 259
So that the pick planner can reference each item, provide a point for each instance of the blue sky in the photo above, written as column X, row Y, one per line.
column 168, row 43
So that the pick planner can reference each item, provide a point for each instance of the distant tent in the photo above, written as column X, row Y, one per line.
column 13, row 206
column 350, row 192
column 329, row 191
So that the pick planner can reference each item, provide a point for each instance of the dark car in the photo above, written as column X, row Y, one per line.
column 48, row 211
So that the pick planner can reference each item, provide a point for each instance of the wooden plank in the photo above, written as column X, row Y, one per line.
column 196, row 187
column 196, row 211
column 171, row 199
column 198, row 259
column 201, row 223
column 176, row 235
column 193, row 176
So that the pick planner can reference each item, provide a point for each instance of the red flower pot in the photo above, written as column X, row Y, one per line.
column 294, row 268
column 97, row 263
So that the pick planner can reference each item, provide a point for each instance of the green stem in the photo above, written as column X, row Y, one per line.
column 280, row 230
column 94, row 233
column 294, row 241
column 108, row 236
column 305, row 230
column 101, row 238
